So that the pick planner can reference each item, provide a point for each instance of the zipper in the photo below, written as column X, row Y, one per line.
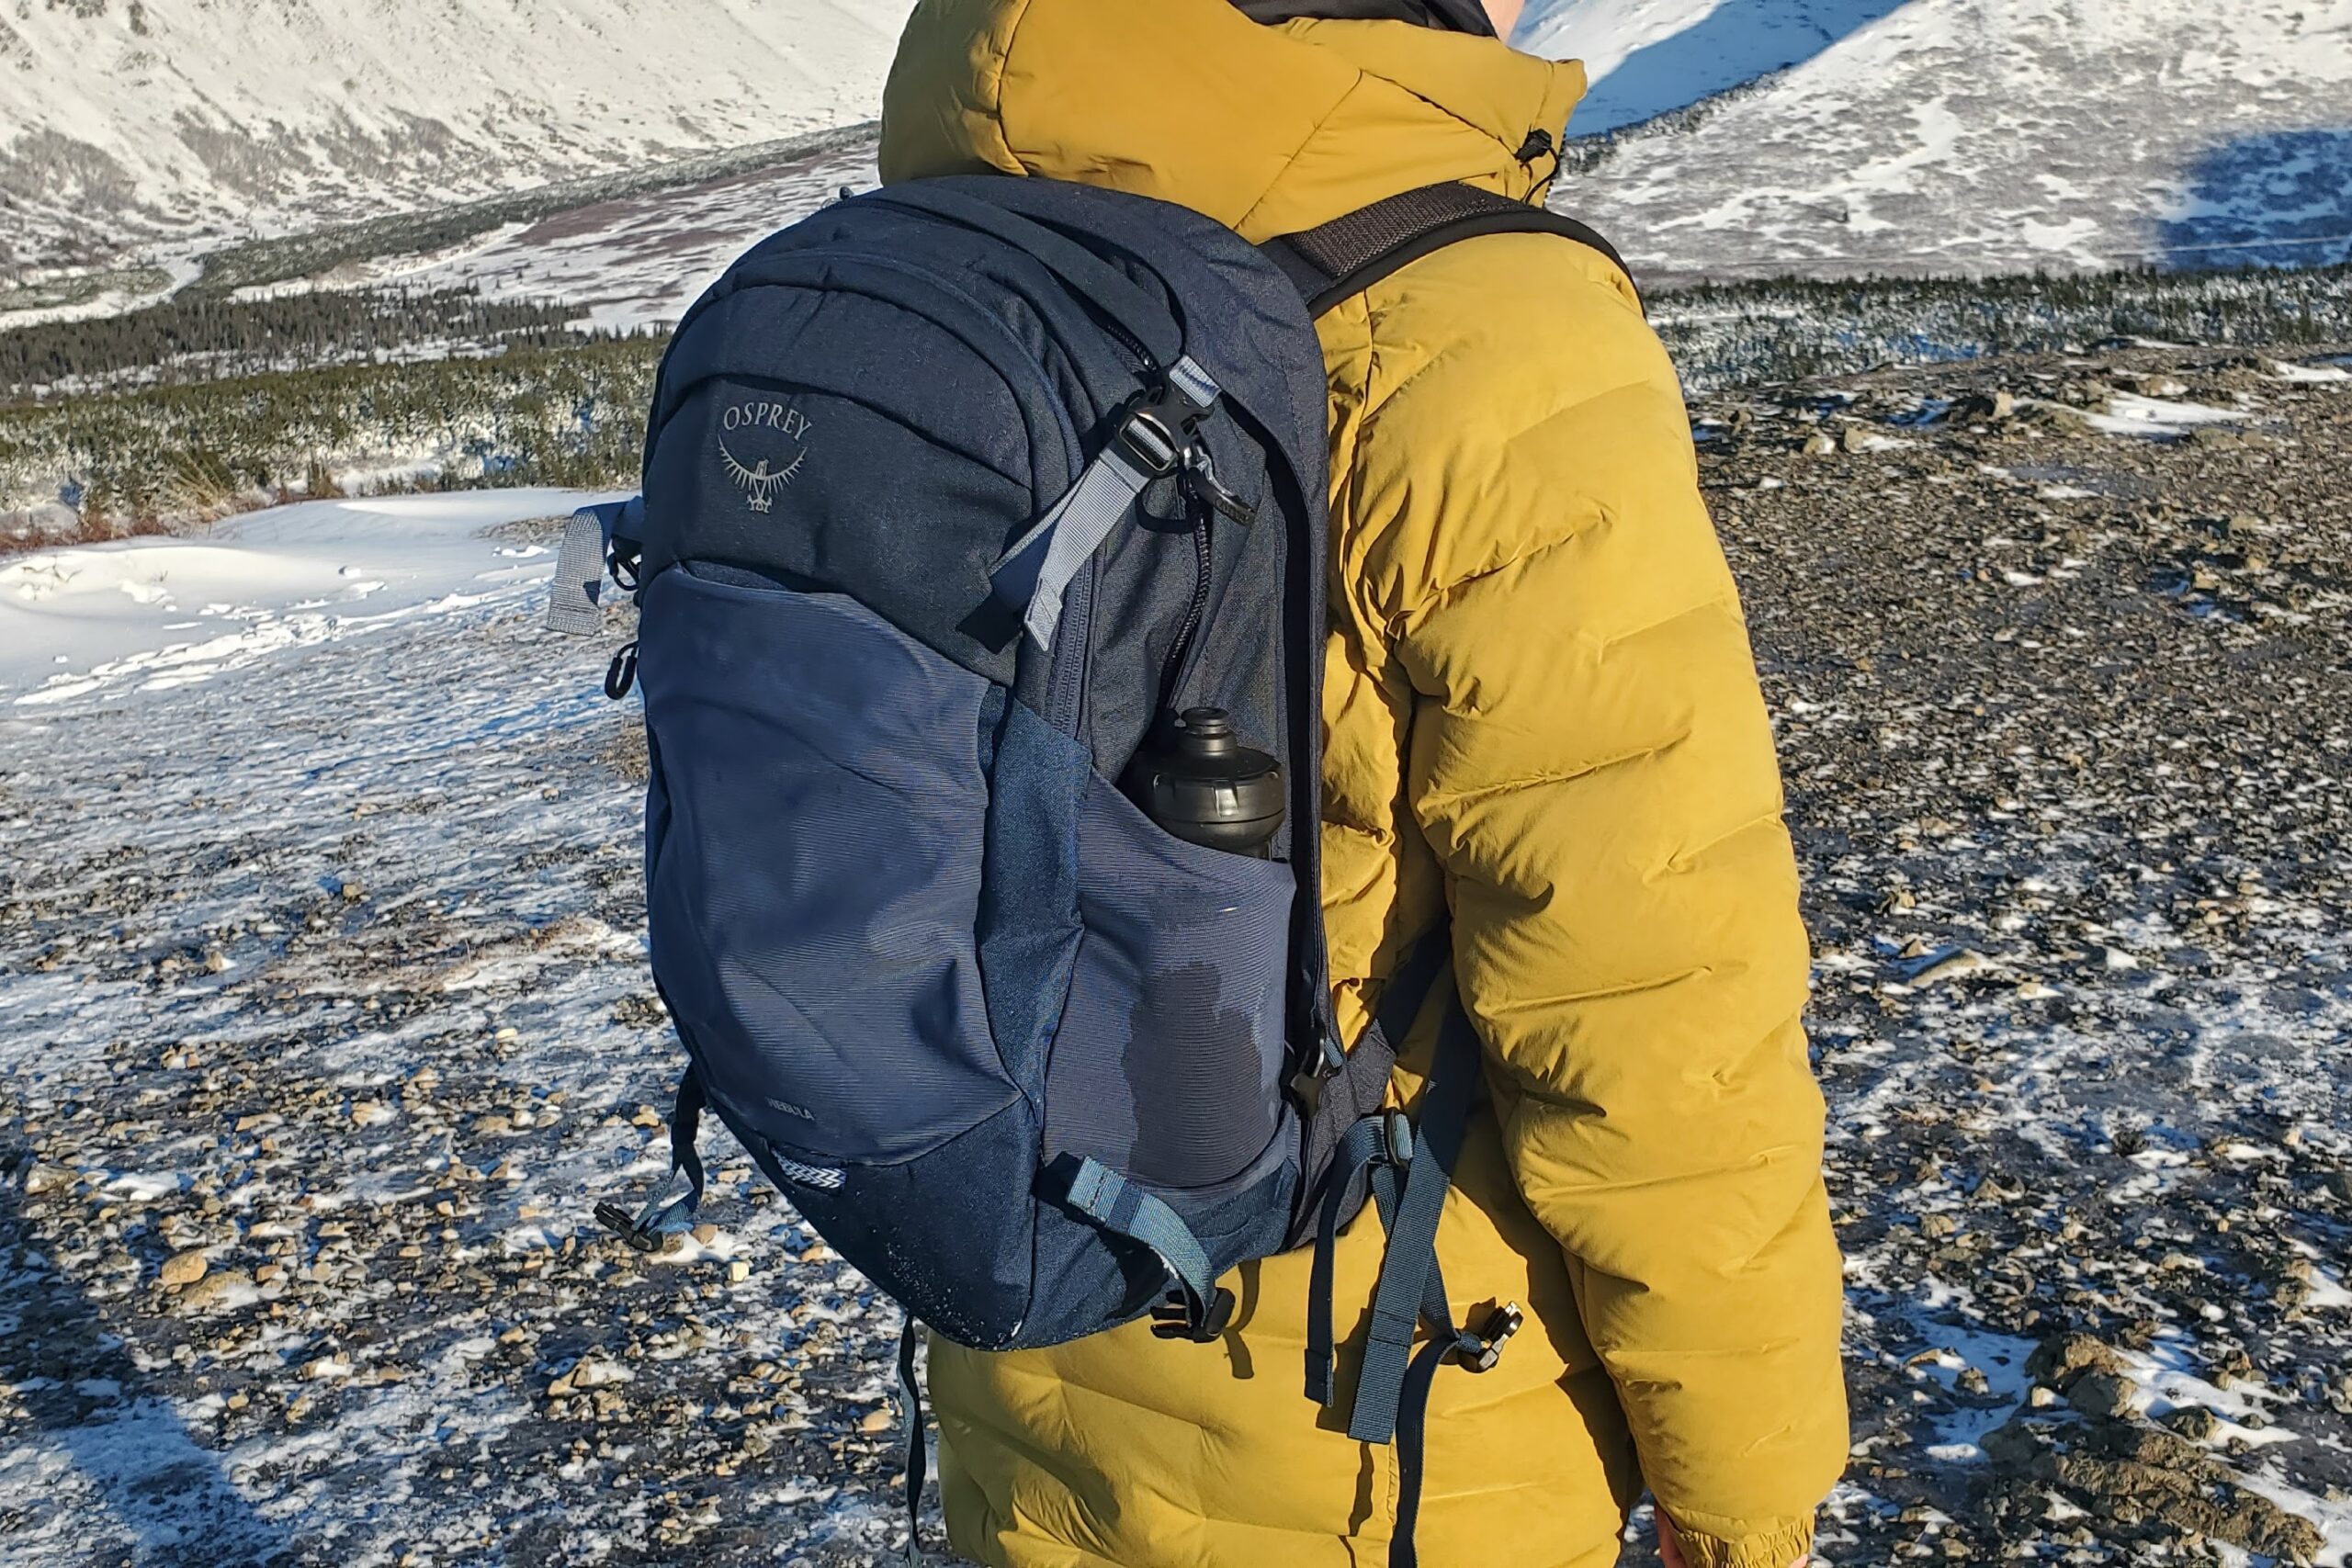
column 1171, row 669
column 1066, row 686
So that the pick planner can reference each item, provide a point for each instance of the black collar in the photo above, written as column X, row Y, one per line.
column 1452, row 16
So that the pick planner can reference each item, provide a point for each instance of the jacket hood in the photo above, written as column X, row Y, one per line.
column 1268, row 129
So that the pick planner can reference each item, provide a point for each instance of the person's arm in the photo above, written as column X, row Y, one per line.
column 1591, row 761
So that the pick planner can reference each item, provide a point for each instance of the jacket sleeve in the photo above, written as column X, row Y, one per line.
column 1592, row 762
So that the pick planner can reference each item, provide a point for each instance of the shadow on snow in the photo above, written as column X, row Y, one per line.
column 86, row 1397
column 2280, row 200
column 1735, row 43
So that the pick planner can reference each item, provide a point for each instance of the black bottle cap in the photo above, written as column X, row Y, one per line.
column 1201, row 784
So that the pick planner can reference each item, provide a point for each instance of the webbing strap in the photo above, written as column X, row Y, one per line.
column 671, row 1210
column 1411, row 1256
column 1411, row 1420
column 1360, row 1084
column 578, row 590
column 1121, row 1207
column 1363, row 1145
column 1447, row 1338
column 1349, row 255
column 917, row 1451
column 1034, row 574
column 1154, row 440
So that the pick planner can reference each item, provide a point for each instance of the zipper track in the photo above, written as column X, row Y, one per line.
column 1172, row 668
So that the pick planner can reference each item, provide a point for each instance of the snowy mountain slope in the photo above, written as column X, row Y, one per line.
column 1960, row 135
column 1650, row 57
column 122, row 122
column 1722, row 138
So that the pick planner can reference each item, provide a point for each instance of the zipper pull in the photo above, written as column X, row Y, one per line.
column 1202, row 483
column 621, row 673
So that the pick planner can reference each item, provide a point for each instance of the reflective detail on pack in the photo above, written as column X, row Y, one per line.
column 819, row 1176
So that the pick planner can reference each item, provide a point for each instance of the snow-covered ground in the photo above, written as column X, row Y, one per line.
column 157, row 613
column 638, row 261
column 323, row 1023
column 374, row 884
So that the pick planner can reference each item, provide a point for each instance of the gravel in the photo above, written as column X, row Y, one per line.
column 323, row 1024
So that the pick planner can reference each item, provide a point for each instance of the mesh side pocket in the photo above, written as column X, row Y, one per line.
column 1167, row 1061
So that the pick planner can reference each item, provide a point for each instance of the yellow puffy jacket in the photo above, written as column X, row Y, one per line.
column 1541, row 712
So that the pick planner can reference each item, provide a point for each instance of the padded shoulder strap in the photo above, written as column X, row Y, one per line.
column 1349, row 255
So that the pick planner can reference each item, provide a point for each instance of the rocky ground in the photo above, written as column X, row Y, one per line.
column 2063, row 665
column 321, row 1028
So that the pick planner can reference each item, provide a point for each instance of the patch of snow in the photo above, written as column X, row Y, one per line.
column 2129, row 414
column 2308, row 374
column 115, row 616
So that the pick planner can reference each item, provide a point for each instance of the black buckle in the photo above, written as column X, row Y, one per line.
column 1397, row 1136
column 1172, row 1318
column 623, row 1224
column 1327, row 1063
column 1501, row 1324
column 1149, row 443
column 1156, row 431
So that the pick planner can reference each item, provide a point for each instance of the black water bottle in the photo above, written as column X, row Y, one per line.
column 1198, row 781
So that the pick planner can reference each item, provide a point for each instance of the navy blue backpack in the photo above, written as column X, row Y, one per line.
column 964, row 502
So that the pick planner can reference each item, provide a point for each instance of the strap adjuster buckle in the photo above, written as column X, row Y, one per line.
column 1493, row 1335
column 1396, row 1129
column 1172, row 1318
column 1149, row 441
column 623, row 1224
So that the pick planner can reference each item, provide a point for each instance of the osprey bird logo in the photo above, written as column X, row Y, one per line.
column 764, row 475
column 759, row 483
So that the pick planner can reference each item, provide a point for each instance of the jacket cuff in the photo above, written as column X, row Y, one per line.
column 1777, row 1549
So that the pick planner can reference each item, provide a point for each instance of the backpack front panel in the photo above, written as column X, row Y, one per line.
column 923, row 949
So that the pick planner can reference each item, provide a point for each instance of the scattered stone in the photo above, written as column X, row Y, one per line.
column 183, row 1269
column 589, row 1374
column 44, row 1179
column 213, row 1291
column 1986, row 408
column 2062, row 1357
column 2106, row 1395
column 2194, row 1422
column 2122, row 1472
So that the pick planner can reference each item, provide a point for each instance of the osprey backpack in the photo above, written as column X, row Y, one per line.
column 980, row 571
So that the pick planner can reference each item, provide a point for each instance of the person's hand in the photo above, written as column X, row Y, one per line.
column 1669, row 1549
